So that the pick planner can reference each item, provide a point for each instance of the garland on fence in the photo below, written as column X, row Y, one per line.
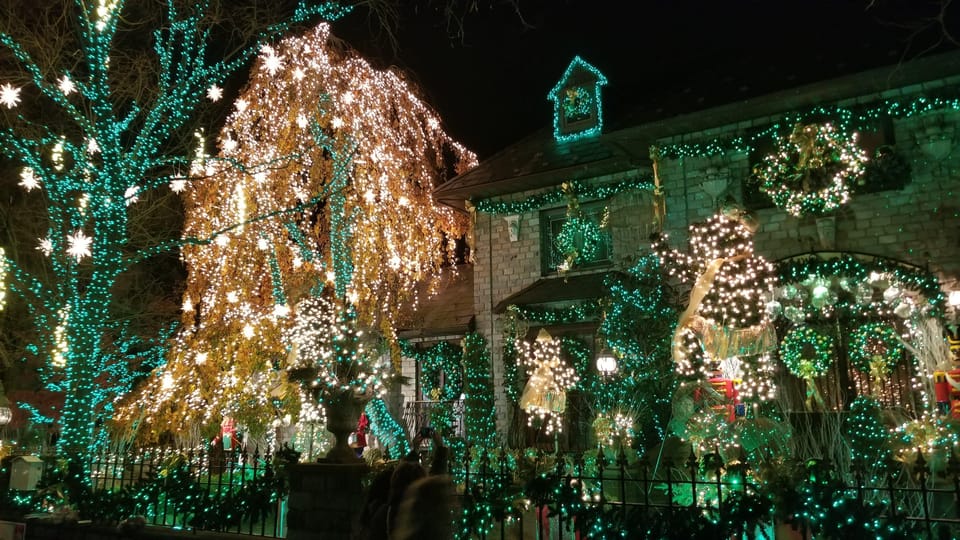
column 847, row 119
column 581, row 190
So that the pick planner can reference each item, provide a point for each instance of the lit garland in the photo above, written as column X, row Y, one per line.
column 858, row 273
column 479, row 413
column 807, row 352
column 875, row 349
column 812, row 171
column 117, row 152
column 3, row 281
column 545, row 396
column 846, row 119
column 388, row 431
column 334, row 163
column 581, row 190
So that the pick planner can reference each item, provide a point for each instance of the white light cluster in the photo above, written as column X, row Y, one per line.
column 549, row 380
column 326, row 339
column 3, row 277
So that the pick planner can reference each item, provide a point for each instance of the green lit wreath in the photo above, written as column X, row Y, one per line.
column 812, row 171
column 807, row 352
column 580, row 240
column 875, row 349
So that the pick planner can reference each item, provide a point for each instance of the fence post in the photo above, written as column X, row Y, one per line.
column 692, row 466
column 953, row 468
column 622, row 465
column 922, row 471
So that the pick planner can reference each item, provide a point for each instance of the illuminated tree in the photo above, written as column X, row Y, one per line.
column 372, row 151
column 105, row 151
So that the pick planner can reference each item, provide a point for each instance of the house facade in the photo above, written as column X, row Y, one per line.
column 885, row 219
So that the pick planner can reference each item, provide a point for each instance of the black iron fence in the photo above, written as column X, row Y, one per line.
column 210, row 489
column 602, row 494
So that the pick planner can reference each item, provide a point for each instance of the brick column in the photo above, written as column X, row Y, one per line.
column 325, row 501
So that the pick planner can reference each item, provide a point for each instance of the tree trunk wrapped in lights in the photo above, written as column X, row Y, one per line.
column 368, row 153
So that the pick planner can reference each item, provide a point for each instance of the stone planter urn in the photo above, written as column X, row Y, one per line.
column 343, row 412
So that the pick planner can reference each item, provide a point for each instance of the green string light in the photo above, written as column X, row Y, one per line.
column 866, row 118
column 554, row 196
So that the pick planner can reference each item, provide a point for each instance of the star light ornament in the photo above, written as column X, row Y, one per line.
column 28, row 180
column 9, row 96
column 66, row 85
column 79, row 245
column 214, row 93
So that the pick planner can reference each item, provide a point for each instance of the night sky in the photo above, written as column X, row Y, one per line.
column 661, row 57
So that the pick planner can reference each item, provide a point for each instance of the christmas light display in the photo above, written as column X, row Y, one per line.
column 846, row 119
column 875, row 349
column 479, row 413
column 812, row 171
column 442, row 358
column 808, row 354
column 576, row 102
column 113, row 145
column 725, row 330
column 3, row 282
column 545, row 396
column 581, row 237
column 868, row 438
column 557, row 195
column 330, row 345
column 333, row 164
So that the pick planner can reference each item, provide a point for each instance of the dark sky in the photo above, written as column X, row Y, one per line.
column 490, row 84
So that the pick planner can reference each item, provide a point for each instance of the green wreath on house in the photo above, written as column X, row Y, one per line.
column 875, row 348
column 807, row 352
column 811, row 171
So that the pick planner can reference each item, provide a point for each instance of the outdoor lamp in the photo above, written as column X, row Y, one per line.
column 6, row 414
column 606, row 362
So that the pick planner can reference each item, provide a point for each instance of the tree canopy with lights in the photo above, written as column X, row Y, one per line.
column 353, row 211
column 104, row 151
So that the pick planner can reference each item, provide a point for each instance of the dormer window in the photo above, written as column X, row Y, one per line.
column 577, row 110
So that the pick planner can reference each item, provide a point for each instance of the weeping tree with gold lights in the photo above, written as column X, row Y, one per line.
column 353, row 212
column 91, row 156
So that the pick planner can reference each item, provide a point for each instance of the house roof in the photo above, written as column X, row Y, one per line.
column 449, row 312
column 557, row 289
column 539, row 161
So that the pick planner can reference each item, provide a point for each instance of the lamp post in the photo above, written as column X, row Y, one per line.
column 606, row 362
column 6, row 414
